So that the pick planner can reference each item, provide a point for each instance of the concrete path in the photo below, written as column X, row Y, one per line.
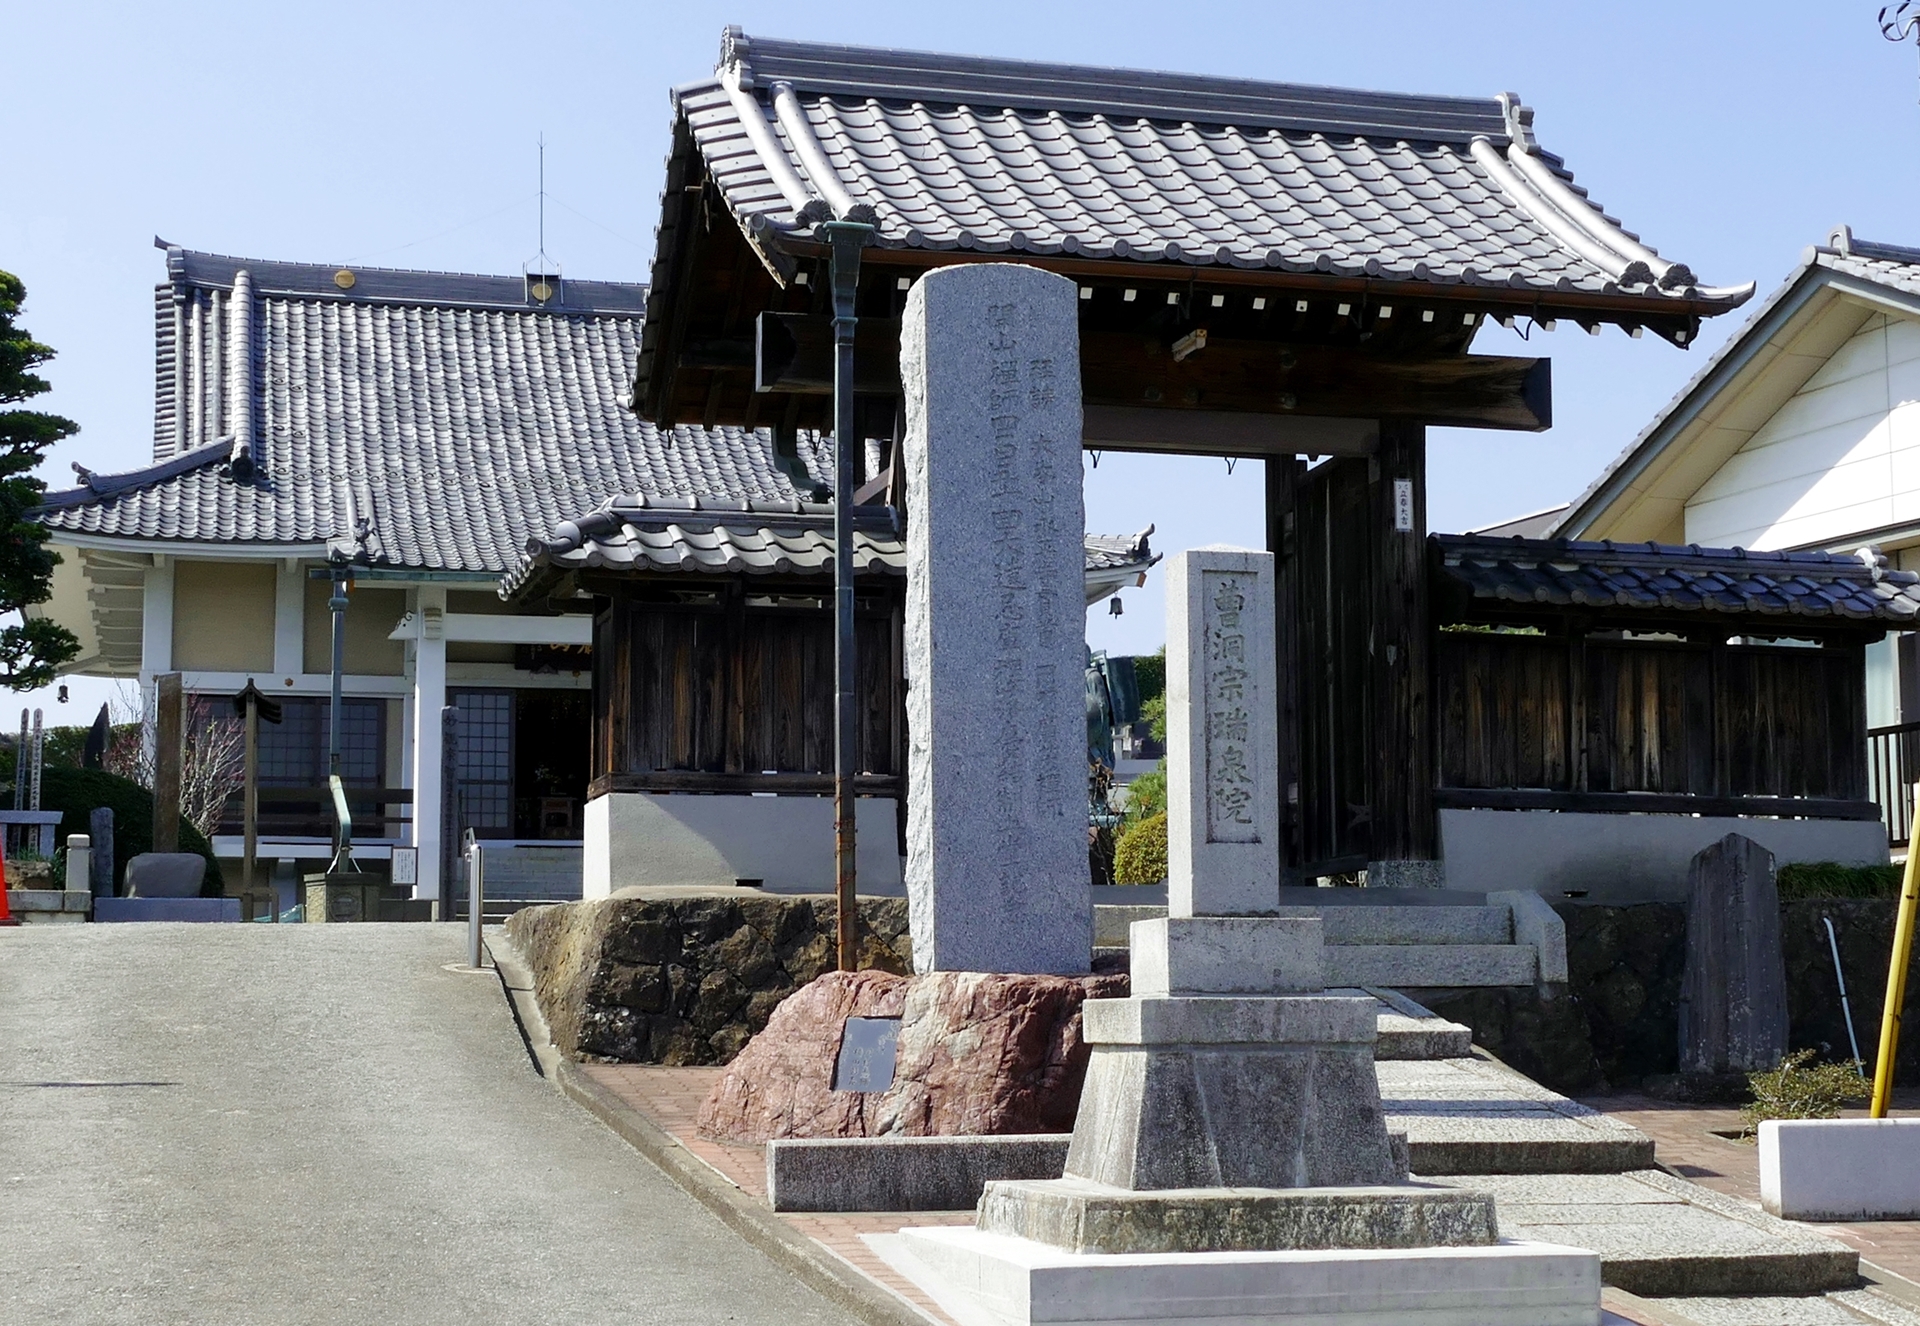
column 280, row 1125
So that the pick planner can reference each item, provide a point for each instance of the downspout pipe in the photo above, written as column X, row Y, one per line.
column 845, row 240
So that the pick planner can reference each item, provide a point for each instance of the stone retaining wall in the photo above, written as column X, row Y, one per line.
column 1618, row 1024
column 689, row 980
column 686, row 980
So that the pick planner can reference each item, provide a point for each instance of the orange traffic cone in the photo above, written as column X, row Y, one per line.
column 6, row 913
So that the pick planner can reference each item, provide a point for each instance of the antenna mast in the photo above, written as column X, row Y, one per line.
column 541, row 273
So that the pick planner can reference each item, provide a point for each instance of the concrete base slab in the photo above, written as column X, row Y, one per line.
column 1476, row 1116
column 1660, row 1237
column 1841, row 1169
column 166, row 909
column 1081, row 1216
column 1227, row 955
column 984, row 1279
column 1431, row 966
column 903, row 1173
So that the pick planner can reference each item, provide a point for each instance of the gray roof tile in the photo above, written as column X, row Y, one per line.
column 1654, row 576
column 1006, row 156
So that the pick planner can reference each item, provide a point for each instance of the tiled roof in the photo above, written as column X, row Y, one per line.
column 1654, row 576
column 426, row 420
column 641, row 533
column 953, row 153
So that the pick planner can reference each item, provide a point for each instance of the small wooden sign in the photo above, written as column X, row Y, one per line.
column 867, row 1050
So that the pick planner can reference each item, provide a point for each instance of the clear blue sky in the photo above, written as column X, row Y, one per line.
column 1729, row 135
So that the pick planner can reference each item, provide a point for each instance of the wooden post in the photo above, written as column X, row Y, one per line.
column 169, row 736
column 1404, row 833
column 1283, row 480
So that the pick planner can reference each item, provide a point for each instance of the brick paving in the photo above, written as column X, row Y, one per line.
column 1686, row 1140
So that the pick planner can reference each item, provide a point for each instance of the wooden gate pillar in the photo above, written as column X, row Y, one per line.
column 1404, row 840
column 1283, row 482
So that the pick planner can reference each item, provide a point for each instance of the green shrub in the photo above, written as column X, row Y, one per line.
column 1801, row 880
column 77, row 792
column 1140, row 857
column 1147, row 794
column 1802, row 1089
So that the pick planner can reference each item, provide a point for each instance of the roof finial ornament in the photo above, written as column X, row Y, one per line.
column 1840, row 240
column 1898, row 22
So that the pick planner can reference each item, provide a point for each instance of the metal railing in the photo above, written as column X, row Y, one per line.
column 1893, row 761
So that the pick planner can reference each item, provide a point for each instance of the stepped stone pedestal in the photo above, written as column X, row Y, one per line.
column 1230, row 1158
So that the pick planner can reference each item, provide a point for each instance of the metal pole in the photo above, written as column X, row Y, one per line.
column 847, row 238
column 338, row 605
column 1846, row 1009
column 1896, row 986
column 250, row 845
column 476, row 900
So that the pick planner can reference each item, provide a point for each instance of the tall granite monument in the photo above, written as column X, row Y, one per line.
column 996, row 623
column 1230, row 1158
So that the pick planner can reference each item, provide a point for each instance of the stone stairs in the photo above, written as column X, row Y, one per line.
column 1411, row 938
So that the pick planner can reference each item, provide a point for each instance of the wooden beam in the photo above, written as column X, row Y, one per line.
column 794, row 352
column 803, row 784
column 1225, row 432
column 1231, row 384
column 1276, row 378
column 1283, row 477
column 1661, row 803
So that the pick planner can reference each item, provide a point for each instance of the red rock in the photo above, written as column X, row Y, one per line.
column 978, row 1053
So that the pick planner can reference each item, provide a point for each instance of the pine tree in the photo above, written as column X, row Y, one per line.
column 32, row 650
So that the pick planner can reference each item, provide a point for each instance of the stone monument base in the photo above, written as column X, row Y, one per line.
column 1078, row 1215
column 987, row 1279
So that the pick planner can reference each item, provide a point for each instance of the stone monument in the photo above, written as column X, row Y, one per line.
column 1733, row 992
column 1230, row 1158
column 995, row 623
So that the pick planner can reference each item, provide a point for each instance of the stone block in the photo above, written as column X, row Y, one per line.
column 995, row 623
column 903, row 1173
column 1420, row 966
column 1658, row 1236
column 1536, row 924
column 166, row 875
column 1475, row 1116
column 1229, row 955
column 1841, row 1169
column 1393, row 923
column 987, row 1279
column 1299, row 1110
column 1733, row 993
column 1223, row 789
column 1403, row 1037
column 1079, row 1216
column 166, row 909
column 1299, row 1020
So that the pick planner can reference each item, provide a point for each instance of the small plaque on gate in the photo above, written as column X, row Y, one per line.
column 867, row 1049
column 406, row 866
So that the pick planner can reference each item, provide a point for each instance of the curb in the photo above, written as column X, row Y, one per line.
column 813, row 1265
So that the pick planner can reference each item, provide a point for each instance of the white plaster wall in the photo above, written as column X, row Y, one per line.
column 1626, row 858
column 1841, row 457
column 659, row 839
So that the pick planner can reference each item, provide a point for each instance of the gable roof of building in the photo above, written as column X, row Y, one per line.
column 1776, row 589
column 1782, row 344
column 951, row 153
column 416, row 419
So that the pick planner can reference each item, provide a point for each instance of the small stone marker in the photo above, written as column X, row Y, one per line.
column 868, row 1048
column 1223, row 854
column 996, row 623
column 1733, row 993
column 100, row 860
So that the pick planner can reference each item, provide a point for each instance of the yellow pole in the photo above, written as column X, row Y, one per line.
column 1897, row 981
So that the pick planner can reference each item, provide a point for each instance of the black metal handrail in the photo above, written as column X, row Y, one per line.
column 1893, row 763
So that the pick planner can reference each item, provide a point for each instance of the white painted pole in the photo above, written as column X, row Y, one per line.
column 476, row 900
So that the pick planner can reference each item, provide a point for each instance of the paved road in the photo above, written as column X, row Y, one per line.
column 280, row 1125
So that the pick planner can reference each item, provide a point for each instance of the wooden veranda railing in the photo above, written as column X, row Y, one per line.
column 1893, row 761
